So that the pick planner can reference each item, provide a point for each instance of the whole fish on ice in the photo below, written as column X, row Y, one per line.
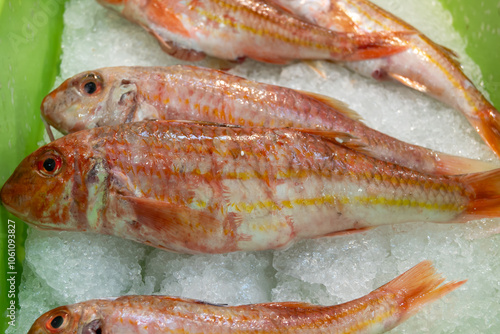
column 235, row 29
column 115, row 95
column 377, row 312
column 201, row 188
column 424, row 66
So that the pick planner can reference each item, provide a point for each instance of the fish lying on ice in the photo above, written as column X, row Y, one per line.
column 235, row 29
column 115, row 95
column 202, row 188
column 377, row 312
column 424, row 66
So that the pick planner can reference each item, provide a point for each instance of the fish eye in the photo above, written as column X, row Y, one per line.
column 49, row 164
column 90, row 87
column 57, row 322
column 91, row 84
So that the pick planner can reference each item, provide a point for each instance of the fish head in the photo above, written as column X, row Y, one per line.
column 82, row 318
column 52, row 187
column 35, row 191
column 91, row 99
column 63, row 319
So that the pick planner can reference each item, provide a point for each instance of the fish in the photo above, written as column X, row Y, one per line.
column 191, row 187
column 115, row 95
column 425, row 66
column 377, row 312
column 237, row 29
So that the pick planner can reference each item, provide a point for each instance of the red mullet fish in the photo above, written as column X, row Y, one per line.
column 235, row 29
column 201, row 188
column 115, row 95
column 377, row 312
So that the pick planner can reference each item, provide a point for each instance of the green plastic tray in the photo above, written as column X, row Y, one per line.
column 30, row 34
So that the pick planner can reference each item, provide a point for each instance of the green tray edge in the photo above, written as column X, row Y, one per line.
column 479, row 23
column 30, row 40
column 34, row 79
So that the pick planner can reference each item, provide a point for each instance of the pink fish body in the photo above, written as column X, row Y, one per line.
column 115, row 95
column 424, row 66
column 377, row 312
column 235, row 29
column 197, row 188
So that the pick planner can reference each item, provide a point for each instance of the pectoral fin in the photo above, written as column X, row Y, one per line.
column 173, row 219
column 180, row 227
column 409, row 82
column 173, row 50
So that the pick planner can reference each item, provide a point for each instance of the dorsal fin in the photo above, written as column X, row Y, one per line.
column 338, row 105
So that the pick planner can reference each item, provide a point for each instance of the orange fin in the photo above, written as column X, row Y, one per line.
column 453, row 165
column 159, row 13
column 175, row 223
column 315, row 66
column 339, row 138
column 419, row 286
column 409, row 82
column 373, row 52
column 340, row 21
column 487, row 124
column 175, row 51
column 486, row 200
column 338, row 105
column 376, row 45
column 452, row 54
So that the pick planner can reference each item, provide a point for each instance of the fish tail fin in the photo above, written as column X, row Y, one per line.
column 377, row 45
column 487, row 124
column 419, row 286
column 453, row 165
column 486, row 200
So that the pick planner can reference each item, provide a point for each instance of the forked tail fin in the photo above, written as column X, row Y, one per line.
column 487, row 124
column 419, row 286
column 447, row 164
column 486, row 200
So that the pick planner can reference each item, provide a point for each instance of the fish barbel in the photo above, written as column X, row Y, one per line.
column 115, row 95
column 235, row 29
column 377, row 312
column 424, row 66
column 202, row 188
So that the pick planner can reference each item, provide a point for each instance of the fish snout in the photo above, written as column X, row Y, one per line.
column 13, row 196
column 37, row 329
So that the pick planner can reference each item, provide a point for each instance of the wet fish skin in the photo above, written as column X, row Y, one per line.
column 127, row 94
column 198, row 188
column 425, row 66
column 377, row 312
column 235, row 29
